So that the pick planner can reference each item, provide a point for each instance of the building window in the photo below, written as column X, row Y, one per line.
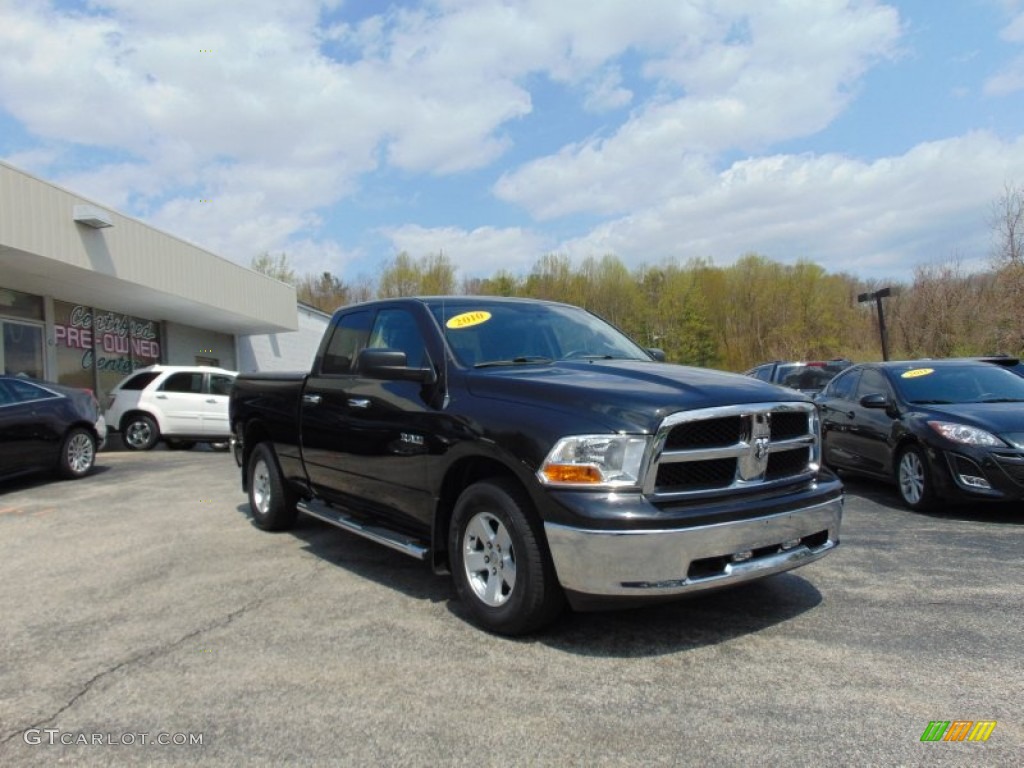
column 21, row 349
column 97, row 348
column 211, row 361
column 20, row 305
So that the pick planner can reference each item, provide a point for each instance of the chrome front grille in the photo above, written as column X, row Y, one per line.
column 717, row 450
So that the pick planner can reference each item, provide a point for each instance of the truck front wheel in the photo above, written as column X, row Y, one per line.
column 272, row 502
column 501, row 571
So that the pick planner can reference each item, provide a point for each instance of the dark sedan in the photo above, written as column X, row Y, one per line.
column 941, row 429
column 46, row 426
column 1009, row 363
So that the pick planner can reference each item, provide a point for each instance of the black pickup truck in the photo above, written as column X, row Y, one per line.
column 538, row 455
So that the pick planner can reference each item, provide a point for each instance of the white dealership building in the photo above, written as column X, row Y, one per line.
column 88, row 294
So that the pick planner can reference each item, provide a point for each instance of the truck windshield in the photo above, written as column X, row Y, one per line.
column 485, row 333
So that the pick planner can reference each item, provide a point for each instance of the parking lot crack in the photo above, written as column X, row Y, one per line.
column 136, row 659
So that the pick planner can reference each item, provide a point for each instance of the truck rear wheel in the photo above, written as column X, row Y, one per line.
column 502, row 572
column 272, row 502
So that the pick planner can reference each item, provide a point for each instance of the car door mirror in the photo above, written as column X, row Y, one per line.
column 875, row 400
column 392, row 365
column 657, row 354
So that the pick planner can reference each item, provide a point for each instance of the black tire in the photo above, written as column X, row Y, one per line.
column 501, row 568
column 77, row 453
column 914, row 479
column 180, row 445
column 140, row 432
column 271, row 501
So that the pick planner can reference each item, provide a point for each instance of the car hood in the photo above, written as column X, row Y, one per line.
column 630, row 395
column 998, row 418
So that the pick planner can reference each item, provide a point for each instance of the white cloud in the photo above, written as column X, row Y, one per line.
column 776, row 72
column 605, row 92
column 274, row 112
column 477, row 253
column 319, row 256
column 879, row 218
column 1014, row 31
column 1009, row 80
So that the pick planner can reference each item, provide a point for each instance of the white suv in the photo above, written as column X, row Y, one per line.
column 180, row 404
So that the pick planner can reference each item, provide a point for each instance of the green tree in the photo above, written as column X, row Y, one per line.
column 276, row 267
column 325, row 292
column 437, row 275
column 401, row 277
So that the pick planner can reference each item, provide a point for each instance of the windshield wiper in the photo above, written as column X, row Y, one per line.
column 522, row 360
column 931, row 402
column 1002, row 400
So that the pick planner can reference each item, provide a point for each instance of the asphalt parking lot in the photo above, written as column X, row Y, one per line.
column 141, row 600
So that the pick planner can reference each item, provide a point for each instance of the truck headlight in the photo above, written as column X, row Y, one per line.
column 611, row 461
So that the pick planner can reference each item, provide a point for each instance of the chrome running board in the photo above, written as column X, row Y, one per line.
column 400, row 542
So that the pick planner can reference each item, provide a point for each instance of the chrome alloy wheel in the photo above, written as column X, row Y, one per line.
column 261, row 494
column 489, row 559
column 911, row 477
column 81, row 453
column 138, row 434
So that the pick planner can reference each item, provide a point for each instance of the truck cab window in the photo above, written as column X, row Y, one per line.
column 397, row 329
column 348, row 339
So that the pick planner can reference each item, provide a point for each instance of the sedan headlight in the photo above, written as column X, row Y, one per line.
column 961, row 433
column 611, row 461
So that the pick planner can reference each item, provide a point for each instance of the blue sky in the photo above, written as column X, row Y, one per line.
column 869, row 137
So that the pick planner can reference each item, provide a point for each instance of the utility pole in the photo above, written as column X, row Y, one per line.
column 877, row 297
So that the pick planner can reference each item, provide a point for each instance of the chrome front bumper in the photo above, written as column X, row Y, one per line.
column 678, row 561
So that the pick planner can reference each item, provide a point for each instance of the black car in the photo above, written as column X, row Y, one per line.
column 1009, row 363
column 46, row 426
column 941, row 429
column 810, row 377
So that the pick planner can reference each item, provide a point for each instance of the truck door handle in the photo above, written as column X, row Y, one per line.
column 311, row 399
column 359, row 402
column 211, row 400
column 161, row 397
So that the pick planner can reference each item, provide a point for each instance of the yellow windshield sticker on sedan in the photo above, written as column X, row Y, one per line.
column 469, row 319
column 915, row 373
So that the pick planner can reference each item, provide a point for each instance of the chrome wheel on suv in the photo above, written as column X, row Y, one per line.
column 140, row 433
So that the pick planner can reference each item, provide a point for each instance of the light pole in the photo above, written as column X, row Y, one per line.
column 877, row 297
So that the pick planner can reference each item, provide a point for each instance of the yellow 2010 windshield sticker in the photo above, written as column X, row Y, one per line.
column 917, row 372
column 468, row 319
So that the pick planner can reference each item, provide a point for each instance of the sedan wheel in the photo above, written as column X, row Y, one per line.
column 78, row 454
column 914, row 479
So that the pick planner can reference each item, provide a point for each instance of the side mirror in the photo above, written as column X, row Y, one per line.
column 875, row 400
column 391, row 365
column 657, row 354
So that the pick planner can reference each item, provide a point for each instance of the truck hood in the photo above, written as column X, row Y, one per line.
column 623, row 395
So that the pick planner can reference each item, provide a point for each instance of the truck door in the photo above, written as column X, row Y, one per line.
column 365, row 440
